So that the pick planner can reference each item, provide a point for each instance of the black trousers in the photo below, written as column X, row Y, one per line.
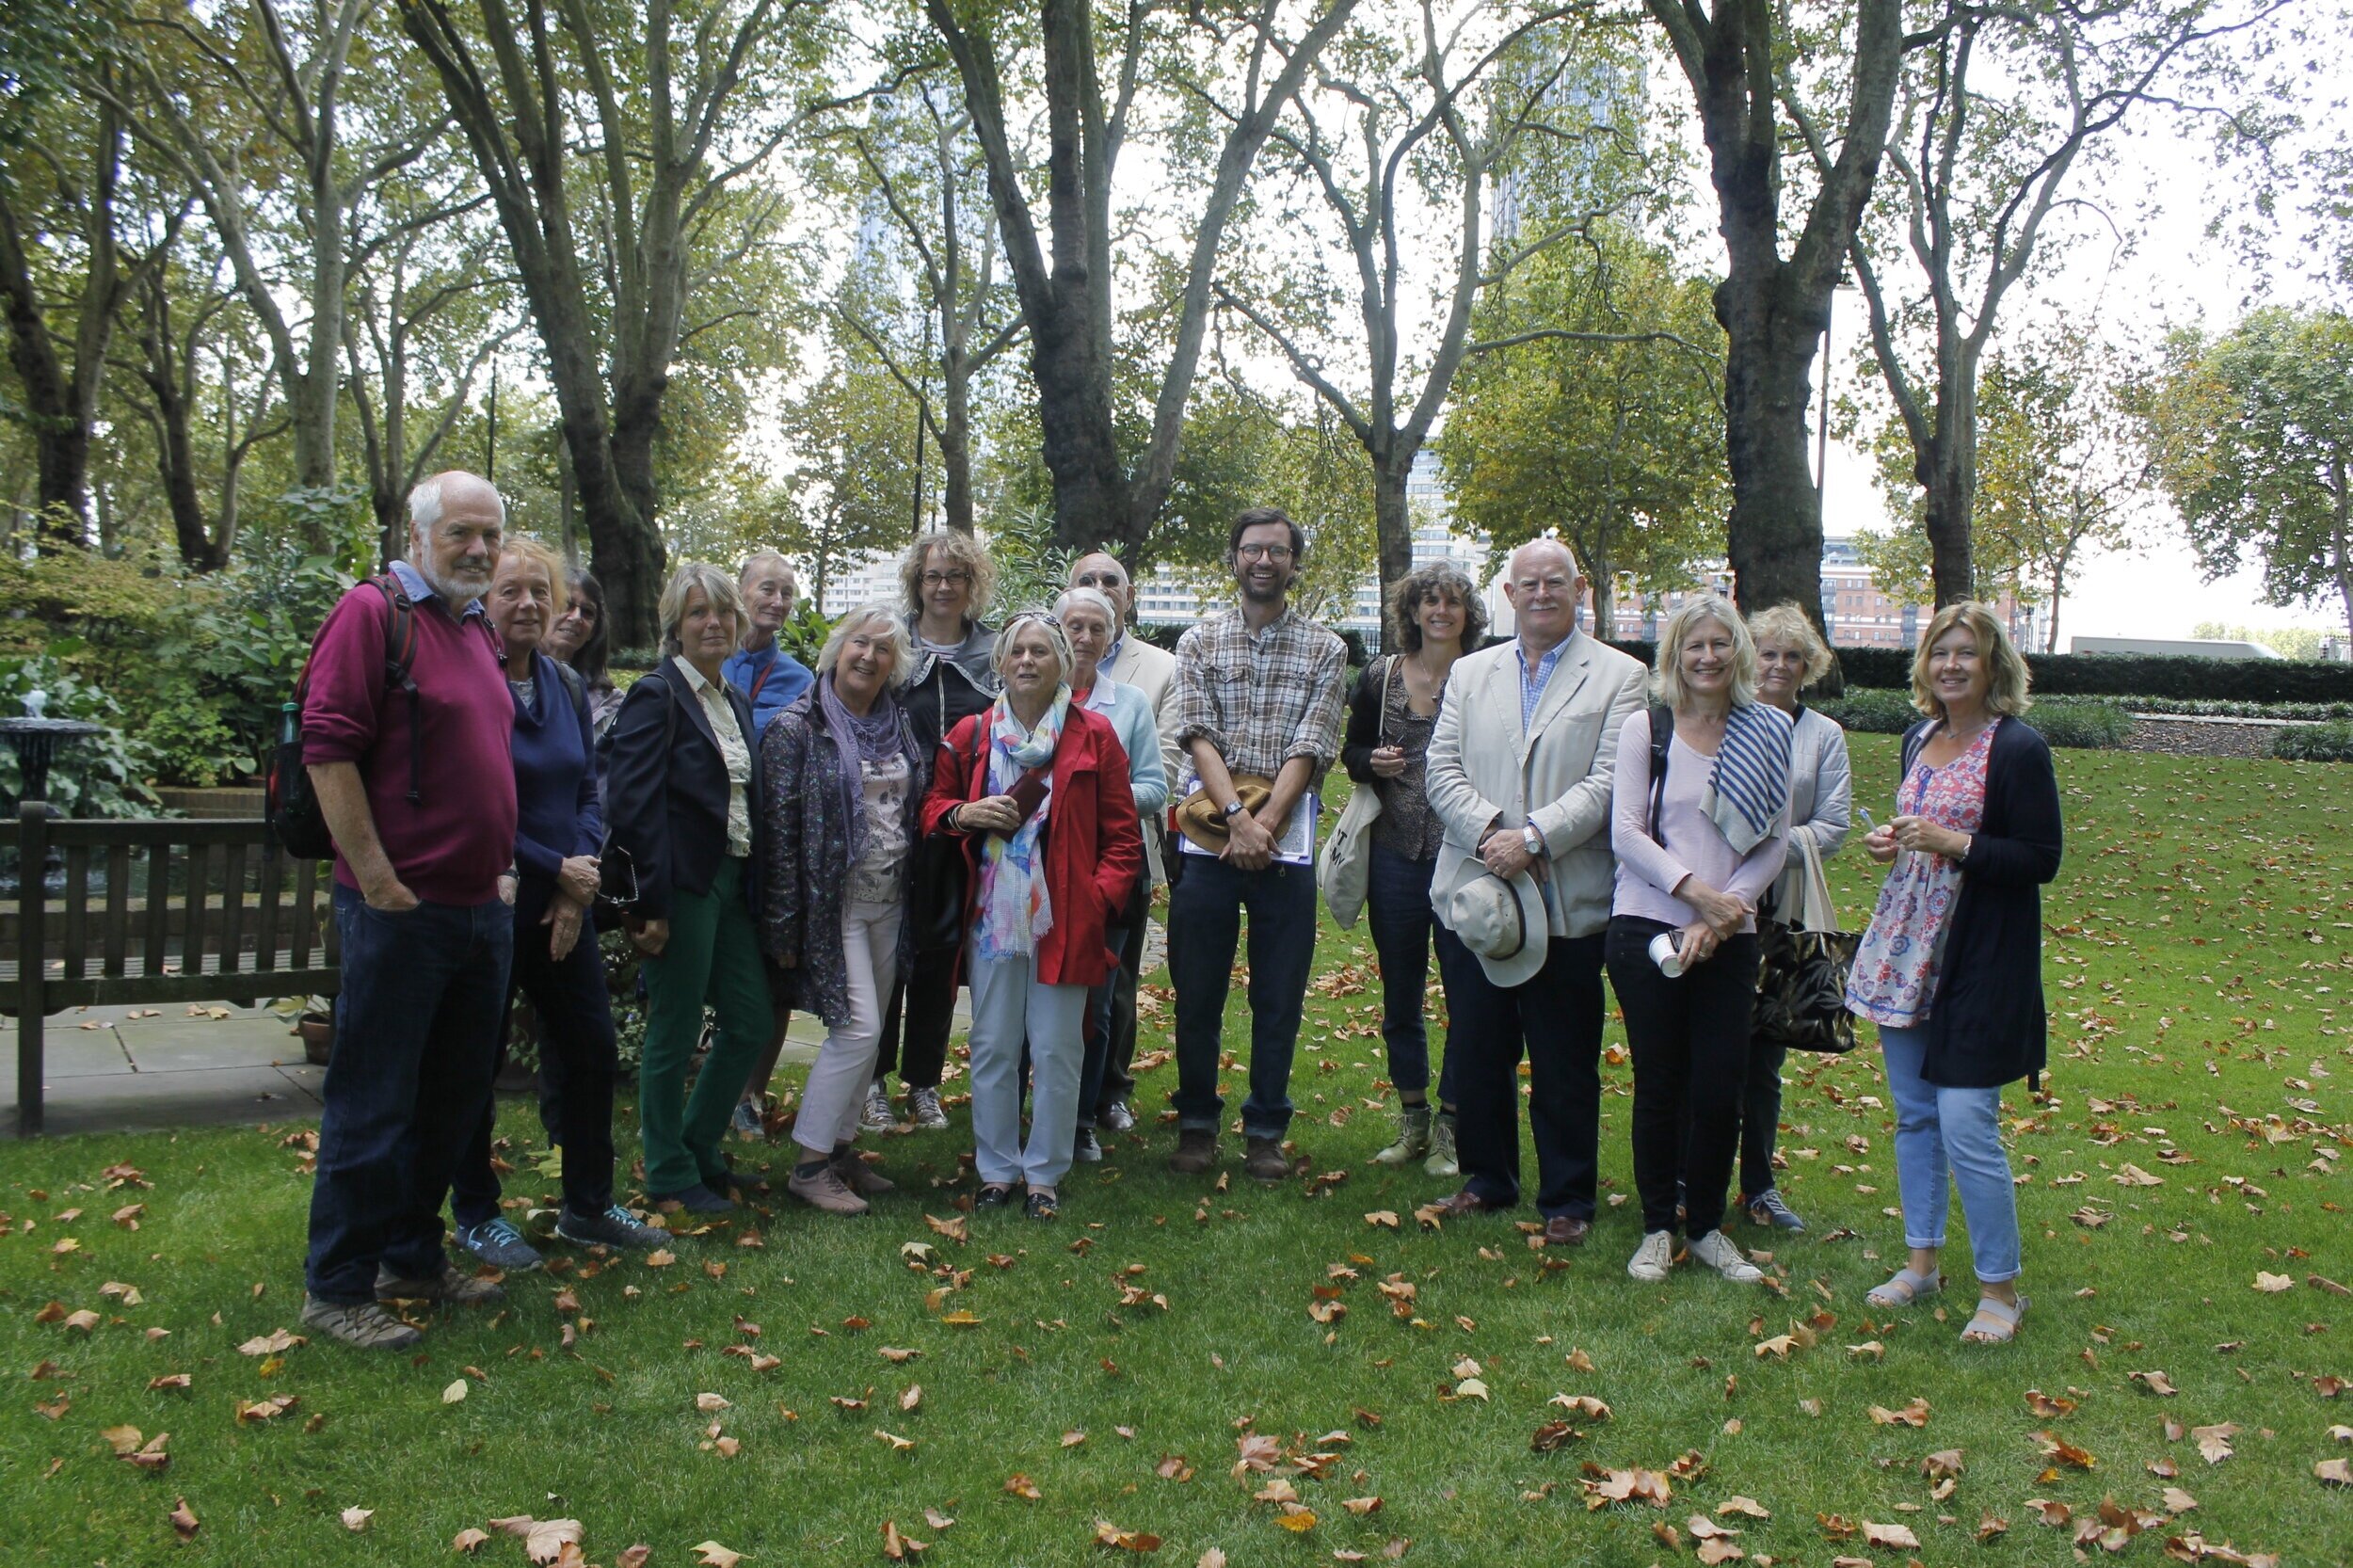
column 1119, row 1082
column 926, row 1003
column 1689, row 1039
column 1555, row 1020
column 577, row 1063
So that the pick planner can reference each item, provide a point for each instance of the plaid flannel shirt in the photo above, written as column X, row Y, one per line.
column 1262, row 700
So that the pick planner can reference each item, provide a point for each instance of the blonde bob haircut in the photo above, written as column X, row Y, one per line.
column 954, row 551
column 1667, row 682
column 874, row 612
column 719, row 592
column 1064, row 658
column 2006, row 674
column 521, row 550
column 1787, row 624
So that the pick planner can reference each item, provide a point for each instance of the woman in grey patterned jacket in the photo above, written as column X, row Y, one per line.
column 845, row 778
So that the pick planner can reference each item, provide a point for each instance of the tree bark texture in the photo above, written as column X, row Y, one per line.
column 1773, row 309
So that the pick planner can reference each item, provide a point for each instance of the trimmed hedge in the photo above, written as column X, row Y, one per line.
column 2315, row 743
column 2133, row 675
column 2224, row 707
column 2087, row 723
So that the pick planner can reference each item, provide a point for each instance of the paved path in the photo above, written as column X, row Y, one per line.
column 142, row 1069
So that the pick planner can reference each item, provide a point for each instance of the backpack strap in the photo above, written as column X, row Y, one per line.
column 1662, row 732
column 400, row 659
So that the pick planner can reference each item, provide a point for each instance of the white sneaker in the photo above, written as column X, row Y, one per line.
column 877, row 1116
column 1723, row 1254
column 1654, row 1257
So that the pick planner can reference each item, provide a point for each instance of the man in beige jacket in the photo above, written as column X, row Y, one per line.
column 1519, row 771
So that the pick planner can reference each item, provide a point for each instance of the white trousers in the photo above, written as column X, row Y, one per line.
column 1010, row 1005
column 845, row 1063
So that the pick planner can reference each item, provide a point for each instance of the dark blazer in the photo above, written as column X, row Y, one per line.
column 666, row 791
column 1987, row 1026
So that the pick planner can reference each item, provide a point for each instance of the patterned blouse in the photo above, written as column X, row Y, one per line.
column 1895, row 967
column 875, row 874
column 1406, row 825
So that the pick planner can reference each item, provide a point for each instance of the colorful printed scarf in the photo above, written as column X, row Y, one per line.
column 1015, row 910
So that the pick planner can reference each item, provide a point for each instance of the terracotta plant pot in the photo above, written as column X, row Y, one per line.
column 319, row 1037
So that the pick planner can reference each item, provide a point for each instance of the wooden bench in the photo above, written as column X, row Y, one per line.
column 182, row 911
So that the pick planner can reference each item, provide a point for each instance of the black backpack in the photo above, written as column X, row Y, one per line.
column 295, row 817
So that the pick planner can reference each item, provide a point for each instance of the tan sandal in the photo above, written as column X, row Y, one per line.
column 1906, row 1286
column 2000, row 1318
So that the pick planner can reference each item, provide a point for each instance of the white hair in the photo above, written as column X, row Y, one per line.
column 424, row 500
column 1512, row 567
column 1093, row 598
column 878, row 612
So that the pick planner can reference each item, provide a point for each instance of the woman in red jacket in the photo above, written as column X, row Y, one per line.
column 1037, row 787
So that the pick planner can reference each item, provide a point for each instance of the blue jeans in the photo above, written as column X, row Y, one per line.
column 1204, row 928
column 1397, row 909
column 1960, row 1129
column 416, row 1036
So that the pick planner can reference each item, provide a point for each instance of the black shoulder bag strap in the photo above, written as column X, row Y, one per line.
column 1662, row 731
column 400, row 657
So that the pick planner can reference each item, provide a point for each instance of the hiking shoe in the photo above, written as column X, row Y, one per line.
column 457, row 1290
column 1264, row 1159
column 1413, row 1136
column 362, row 1323
column 1442, row 1161
column 876, row 1115
column 1654, row 1257
column 1723, row 1254
column 748, row 1121
column 1767, row 1209
column 1086, row 1149
column 1116, row 1117
column 923, row 1110
column 500, row 1246
column 825, row 1191
column 1197, row 1150
column 697, row 1199
column 616, row 1227
column 857, row 1176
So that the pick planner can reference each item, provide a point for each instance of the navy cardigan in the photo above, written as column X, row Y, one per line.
column 665, row 792
column 1987, row 1026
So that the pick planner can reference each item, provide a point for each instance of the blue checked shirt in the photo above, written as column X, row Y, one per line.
column 1532, row 681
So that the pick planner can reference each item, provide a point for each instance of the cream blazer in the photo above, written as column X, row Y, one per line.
column 1482, row 768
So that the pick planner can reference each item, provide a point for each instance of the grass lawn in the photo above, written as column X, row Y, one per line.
column 2183, row 1189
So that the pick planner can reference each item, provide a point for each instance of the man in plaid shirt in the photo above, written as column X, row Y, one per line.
column 1258, row 709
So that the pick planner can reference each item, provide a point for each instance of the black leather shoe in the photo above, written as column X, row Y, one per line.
column 993, row 1196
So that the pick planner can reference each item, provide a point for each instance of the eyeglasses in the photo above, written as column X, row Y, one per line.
column 1278, row 553
column 942, row 579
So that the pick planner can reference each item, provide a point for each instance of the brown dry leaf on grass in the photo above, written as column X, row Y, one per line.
column 1023, row 1487
column 543, row 1539
column 1914, row 1415
column 634, row 1557
column 2049, row 1406
column 184, row 1523
column 467, row 1540
column 1895, row 1537
column 277, row 1342
column 2215, row 1441
column 356, row 1519
column 2271, row 1285
column 2333, row 1472
column 1603, row 1487
column 2156, row 1383
column 897, row 1547
column 710, row 1554
column 2064, row 1452
column 1108, row 1534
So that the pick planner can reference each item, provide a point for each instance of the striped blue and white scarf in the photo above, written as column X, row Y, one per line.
column 1750, row 784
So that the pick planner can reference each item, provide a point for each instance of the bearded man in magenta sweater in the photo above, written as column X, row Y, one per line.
column 419, row 791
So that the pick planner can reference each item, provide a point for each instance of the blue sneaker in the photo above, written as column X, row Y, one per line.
column 616, row 1227
column 500, row 1246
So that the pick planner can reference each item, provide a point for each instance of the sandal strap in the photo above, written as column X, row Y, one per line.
column 2008, row 1314
column 1905, row 1286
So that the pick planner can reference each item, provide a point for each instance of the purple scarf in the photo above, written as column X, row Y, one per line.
column 876, row 738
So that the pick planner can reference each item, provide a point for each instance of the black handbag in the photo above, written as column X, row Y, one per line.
column 1801, row 981
column 940, row 881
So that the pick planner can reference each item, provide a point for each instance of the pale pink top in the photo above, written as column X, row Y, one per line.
column 1694, row 847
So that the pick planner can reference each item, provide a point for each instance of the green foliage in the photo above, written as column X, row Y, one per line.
column 243, row 648
column 2315, row 743
column 98, row 615
column 2288, row 642
column 1617, row 446
column 804, row 636
column 2227, row 707
column 2083, row 723
column 2251, row 436
column 100, row 775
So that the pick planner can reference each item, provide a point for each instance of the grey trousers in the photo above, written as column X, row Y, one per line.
column 845, row 1063
column 1009, row 1005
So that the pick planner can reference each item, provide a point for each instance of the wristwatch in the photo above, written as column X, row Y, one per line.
column 1533, row 840
column 1233, row 809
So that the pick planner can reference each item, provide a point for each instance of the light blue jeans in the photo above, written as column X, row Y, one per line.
column 1010, row 1005
column 1960, row 1129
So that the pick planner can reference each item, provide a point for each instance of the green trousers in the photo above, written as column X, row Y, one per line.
column 714, row 955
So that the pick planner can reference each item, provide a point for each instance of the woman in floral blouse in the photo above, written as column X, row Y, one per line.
column 1951, row 967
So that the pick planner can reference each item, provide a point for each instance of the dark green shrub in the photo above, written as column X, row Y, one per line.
column 1868, row 712
column 2227, row 707
column 2085, row 724
column 2315, row 743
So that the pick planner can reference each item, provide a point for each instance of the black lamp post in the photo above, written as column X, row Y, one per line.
column 35, row 739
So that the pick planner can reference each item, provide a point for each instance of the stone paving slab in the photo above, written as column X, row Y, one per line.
column 212, row 1096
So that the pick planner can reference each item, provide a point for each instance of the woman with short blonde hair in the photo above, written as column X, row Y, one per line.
column 1669, row 683
column 2007, row 676
column 719, row 592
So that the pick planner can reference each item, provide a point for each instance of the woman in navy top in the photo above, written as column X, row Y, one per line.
column 557, row 963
